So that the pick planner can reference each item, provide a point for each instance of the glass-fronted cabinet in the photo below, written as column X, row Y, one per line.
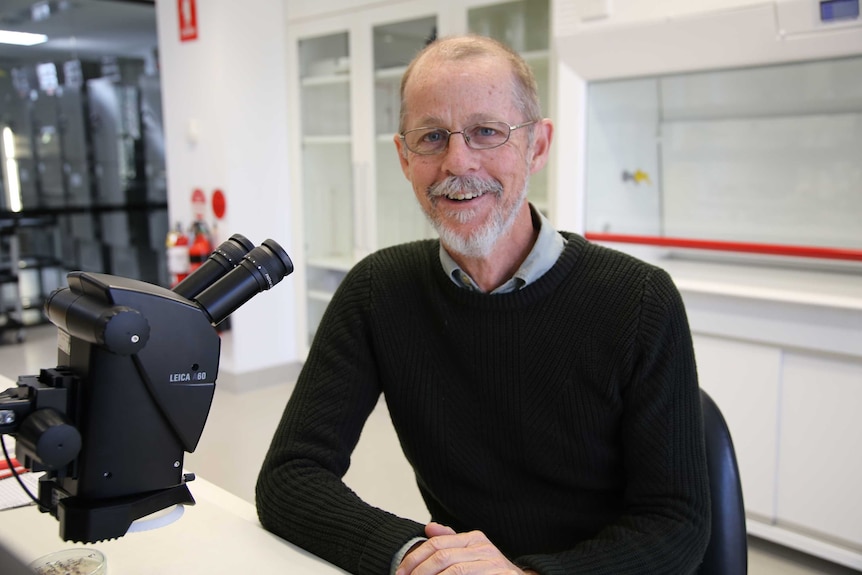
column 345, row 105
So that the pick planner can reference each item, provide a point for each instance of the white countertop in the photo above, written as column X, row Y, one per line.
column 795, row 281
column 220, row 534
column 836, row 289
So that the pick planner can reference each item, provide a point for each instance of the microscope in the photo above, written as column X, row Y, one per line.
column 135, row 378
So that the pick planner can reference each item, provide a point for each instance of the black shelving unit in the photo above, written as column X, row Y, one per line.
column 27, row 264
column 89, row 177
column 11, row 307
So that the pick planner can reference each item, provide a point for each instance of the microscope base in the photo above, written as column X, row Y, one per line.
column 92, row 520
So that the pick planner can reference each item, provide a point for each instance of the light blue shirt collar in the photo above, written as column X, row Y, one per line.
column 547, row 249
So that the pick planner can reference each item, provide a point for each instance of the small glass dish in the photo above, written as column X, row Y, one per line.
column 78, row 561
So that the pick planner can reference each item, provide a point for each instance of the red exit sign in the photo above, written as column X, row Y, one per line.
column 188, row 20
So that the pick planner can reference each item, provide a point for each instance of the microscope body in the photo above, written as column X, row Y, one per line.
column 135, row 378
column 151, row 404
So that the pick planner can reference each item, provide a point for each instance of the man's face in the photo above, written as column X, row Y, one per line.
column 453, row 95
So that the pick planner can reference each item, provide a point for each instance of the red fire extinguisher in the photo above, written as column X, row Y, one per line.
column 201, row 246
column 177, row 244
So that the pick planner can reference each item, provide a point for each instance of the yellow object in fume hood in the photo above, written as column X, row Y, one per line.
column 638, row 177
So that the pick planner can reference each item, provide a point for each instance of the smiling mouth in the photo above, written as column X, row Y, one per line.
column 464, row 188
column 463, row 196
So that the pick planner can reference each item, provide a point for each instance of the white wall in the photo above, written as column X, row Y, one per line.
column 224, row 101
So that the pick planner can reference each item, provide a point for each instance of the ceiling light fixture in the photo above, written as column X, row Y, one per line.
column 21, row 38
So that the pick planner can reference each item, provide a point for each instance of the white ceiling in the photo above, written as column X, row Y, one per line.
column 81, row 29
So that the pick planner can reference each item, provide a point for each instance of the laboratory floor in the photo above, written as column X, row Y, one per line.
column 241, row 424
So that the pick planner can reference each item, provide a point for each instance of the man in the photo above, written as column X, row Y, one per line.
column 543, row 388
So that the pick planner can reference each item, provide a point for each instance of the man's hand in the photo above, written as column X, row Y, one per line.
column 467, row 552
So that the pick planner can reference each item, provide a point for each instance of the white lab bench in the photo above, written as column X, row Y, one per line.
column 220, row 534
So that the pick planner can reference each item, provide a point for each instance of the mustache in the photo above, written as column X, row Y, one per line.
column 473, row 184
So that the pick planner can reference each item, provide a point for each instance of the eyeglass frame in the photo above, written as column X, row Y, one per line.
column 449, row 134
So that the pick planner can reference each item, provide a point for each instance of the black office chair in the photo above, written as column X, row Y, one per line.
column 727, row 552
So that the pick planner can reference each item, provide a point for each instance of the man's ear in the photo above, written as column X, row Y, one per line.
column 402, row 155
column 541, row 145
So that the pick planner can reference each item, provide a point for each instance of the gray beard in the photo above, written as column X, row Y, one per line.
column 480, row 243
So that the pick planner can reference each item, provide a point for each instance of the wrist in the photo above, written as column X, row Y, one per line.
column 412, row 547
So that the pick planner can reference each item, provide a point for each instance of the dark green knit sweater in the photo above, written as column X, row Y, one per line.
column 563, row 420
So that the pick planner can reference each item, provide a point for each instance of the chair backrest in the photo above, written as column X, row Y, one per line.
column 727, row 552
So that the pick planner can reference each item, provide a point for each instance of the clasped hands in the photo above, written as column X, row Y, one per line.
column 448, row 552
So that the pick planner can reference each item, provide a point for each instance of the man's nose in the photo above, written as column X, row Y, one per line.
column 458, row 157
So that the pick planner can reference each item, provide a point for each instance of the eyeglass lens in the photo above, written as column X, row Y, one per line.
column 478, row 136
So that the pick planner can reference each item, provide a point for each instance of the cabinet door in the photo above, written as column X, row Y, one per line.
column 819, row 461
column 743, row 379
column 326, row 147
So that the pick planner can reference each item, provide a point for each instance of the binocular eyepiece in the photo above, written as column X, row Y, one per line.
column 234, row 273
column 223, row 259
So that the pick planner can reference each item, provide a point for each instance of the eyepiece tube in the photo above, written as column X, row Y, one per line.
column 259, row 270
column 225, row 258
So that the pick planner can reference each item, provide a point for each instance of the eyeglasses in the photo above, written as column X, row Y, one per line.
column 484, row 136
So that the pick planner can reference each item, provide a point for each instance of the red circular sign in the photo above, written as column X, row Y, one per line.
column 219, row 204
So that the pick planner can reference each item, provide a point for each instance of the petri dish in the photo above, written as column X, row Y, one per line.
column 78, row 561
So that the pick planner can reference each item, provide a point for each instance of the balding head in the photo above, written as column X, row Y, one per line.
column 465, row 48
